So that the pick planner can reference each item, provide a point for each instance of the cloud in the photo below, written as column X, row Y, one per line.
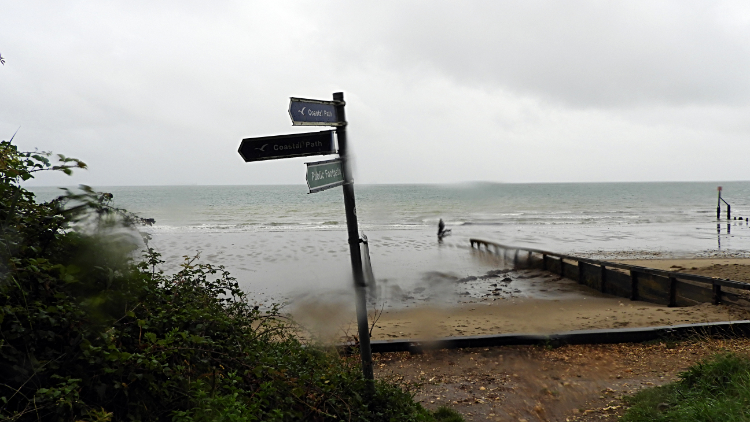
column 578, row 53
column 152, row 93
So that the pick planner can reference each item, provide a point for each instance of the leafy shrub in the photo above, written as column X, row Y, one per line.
column 716, row 389
column 87, row 332
column 446, row 414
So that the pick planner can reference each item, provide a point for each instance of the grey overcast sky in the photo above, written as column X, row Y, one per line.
column 162, row 92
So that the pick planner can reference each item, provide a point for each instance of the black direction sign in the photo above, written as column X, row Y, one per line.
column 286, row 146
column 306, row 112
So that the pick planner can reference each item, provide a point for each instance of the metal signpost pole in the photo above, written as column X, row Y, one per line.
column 354, row 250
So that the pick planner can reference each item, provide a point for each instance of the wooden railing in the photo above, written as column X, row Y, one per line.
column 639, row 283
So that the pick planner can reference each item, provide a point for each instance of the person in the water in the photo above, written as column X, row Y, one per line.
column 442, row 231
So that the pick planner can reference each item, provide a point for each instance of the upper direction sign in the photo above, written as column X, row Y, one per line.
column 286, row 146
column 306, row 112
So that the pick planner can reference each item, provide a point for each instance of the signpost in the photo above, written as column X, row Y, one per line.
column 287, row 146
column 321, row 176
column 324, row 175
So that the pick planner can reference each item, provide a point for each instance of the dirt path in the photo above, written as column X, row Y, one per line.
column 570, row 383
column 528, row 383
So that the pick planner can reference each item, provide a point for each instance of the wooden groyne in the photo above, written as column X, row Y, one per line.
column 727, row 329
column 625, row 280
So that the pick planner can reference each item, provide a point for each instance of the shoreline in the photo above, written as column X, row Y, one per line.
column 564, row 306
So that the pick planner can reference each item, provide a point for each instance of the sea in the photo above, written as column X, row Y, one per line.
column 283, row 243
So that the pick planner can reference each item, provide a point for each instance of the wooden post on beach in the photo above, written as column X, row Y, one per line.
column 354, row 249
column 718, row 207
column 672, row 292
column 633, row 285
column 717, row 293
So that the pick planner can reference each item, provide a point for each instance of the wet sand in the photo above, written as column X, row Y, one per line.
column 531, row 302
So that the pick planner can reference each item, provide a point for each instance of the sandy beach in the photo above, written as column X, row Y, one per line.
column 529, row 301
column 731, row 268
column 540, row 316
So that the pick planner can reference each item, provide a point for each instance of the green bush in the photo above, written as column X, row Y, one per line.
column 87, row 332
column 716, row 389
column 446, row 414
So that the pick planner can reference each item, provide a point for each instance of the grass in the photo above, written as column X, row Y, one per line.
column 716, row 389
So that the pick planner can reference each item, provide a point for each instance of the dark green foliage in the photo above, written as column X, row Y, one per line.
column 89, row 333
column 717, row 389
column 446, row 414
